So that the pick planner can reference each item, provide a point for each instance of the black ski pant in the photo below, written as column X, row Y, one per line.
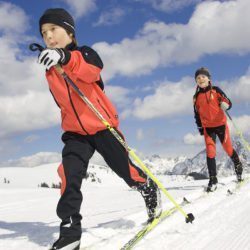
column 76, row 153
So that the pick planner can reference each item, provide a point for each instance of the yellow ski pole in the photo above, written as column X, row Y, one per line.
column 189, row 217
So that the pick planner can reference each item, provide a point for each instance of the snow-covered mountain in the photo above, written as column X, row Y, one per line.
column 197, row 164
column 180, row 165
column 159, row 165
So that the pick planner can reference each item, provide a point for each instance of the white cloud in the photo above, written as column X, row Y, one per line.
column 119, row 95
column 33, row 160
column 170, row 5
column 176, row 98
column 214, row 28
column 33, row 110
column 9, row 24
column 80, row 8
column 18, row 76
column 168, row 99
column 193, row 139
column 111, row 17
column 240, row 124
column 139, row 134
column 31, row 138
column 238, row 89
column 26, row 103
column 248, row 71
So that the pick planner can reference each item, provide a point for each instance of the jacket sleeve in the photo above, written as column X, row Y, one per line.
column 197, row 120
column 79, row 68
column 197, row 117
column 222, row 97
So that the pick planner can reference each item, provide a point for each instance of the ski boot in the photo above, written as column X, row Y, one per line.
column 152, row 198
column 67, row 243
column 212, row 184
column 238, row 171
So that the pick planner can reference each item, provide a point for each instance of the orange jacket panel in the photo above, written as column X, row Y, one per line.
column 207, row 107
column 75, row 114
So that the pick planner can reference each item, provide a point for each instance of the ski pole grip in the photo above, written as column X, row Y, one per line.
column 59, row 69
column 38, row 47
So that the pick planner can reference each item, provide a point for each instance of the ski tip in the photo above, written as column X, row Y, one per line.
column 190, row 218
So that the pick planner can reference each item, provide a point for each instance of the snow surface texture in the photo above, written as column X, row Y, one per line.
column 113, row 213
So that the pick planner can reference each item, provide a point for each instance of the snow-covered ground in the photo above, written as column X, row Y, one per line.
column 112, row 213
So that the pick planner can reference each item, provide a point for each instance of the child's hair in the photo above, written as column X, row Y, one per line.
column 74, row 40
column 73, row 37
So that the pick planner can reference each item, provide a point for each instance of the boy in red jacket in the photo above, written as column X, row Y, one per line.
column 84, row 132
column 210, row 102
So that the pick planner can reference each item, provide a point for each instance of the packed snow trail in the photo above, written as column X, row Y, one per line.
column 222, row 222
column 113, row 213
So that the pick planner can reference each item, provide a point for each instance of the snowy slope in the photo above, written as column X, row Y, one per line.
column 222, row 222
column 112, row 213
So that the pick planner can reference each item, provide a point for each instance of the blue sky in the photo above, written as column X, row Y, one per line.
column 150, row 49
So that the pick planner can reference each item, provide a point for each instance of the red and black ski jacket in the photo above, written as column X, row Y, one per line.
column 207, row 111
column 83, row 67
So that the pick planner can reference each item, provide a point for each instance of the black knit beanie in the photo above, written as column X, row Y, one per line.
column 202, row 71
column 59, row 17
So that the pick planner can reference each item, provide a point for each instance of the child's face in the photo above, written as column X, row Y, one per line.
column 55, row 36
column 202, row 81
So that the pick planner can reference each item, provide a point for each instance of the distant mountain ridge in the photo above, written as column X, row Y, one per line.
column 225, row 166
column 180, row 165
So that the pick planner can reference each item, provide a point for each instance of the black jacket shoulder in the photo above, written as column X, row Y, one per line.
column 91, row 56
column 218, row 90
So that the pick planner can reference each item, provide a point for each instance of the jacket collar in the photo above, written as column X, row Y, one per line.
column 71, row 46
column 204, row 90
